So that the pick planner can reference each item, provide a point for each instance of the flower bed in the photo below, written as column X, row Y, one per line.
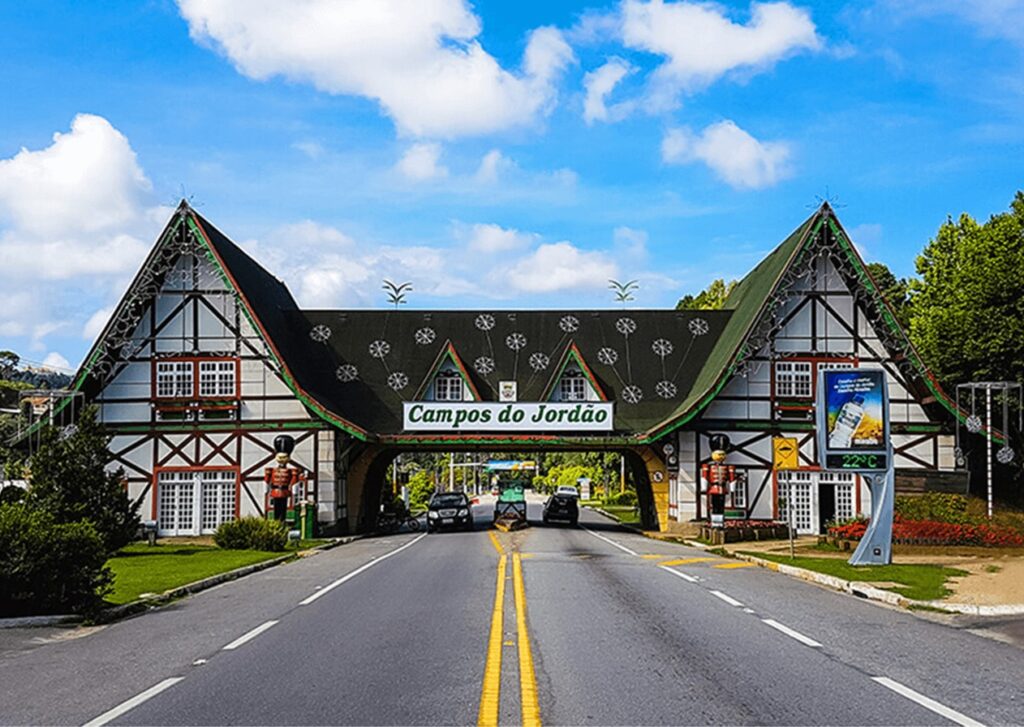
column 931, row 532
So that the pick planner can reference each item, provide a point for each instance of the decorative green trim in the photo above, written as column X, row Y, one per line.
column 447, row 352
column 572, row 351
column 311, row 404
column 230, row 425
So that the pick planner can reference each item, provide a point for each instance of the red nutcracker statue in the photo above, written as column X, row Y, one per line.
column 719, row 478
column 282, row 478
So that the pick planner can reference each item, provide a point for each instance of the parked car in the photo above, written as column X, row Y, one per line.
column 562, row 506
column 449, row 510
column 567, row 490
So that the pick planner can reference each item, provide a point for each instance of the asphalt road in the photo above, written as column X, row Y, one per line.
column 559, row 625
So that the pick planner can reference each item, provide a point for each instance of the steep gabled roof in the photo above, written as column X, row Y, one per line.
column 572, row 353
column 756, row 293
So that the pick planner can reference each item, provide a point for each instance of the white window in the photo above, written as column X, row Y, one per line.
column 174, row 379
column 845, row 496
column 448, row 386
column 217, row 378
column 191, row 502
column 793, row 379
column 796, row 489
column 739, row 490
column 835, row 365
column 572, row 387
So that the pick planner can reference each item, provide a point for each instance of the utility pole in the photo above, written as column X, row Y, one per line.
column 451, row 472
column 974, row 425
column 622, row 473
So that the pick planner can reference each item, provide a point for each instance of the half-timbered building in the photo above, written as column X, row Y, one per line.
column 208, row 357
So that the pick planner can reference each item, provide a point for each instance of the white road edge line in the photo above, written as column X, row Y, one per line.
column 249, row 636
column 330, row 587
column 611, row 542
column 684, row 576
column 805, row 640
column 133, row 702
column 941, row 709
column 728, row 599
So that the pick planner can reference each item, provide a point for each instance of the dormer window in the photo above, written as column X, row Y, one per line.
column 572, row 386
column 448, row 386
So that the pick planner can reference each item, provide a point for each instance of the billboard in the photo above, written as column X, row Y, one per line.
column 853, row 420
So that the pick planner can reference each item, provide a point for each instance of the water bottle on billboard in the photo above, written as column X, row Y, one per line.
column 849, row 419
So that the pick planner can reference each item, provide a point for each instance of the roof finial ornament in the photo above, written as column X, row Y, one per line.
column 623, row 291
column 396, row 291
column 829, row 201
column 187, row 202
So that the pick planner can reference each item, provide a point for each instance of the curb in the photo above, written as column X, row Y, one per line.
column 877, row 594
column 150, row 602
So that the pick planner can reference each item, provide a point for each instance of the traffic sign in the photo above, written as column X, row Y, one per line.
column 786, row 453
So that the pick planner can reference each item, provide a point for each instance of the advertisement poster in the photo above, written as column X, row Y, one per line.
column 854, row 409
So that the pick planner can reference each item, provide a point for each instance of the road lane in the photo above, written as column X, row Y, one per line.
column 404, row 643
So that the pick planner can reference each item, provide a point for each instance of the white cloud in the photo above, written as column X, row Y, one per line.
column 992, row 18
column 630, row 243
column 598, row 85
column 97, row 321
column 701, row 44
column 420, row 162
column 560, row 266
column 422, row 61
column 76, row 219
column 735, row 156
column 492, row 166
column 312, row 149
column 491, row 238
column 54, row 360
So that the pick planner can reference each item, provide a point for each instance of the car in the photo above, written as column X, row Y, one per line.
column 449, row 510
column 567, row 490
column 562, row 506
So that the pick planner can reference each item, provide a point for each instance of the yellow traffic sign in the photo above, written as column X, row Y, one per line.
column 786, row 453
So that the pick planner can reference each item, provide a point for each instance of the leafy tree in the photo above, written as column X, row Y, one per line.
column 421, row 487
column 711, row 298
column 68, row 478
column 896, row 291
column 9, row 361
column 967, row 317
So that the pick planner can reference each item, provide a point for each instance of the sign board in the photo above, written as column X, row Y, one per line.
column 853, row 420
column 785, row 453
column 584, row 483
column 510, row 465
column 508, row 391
column 477, row 416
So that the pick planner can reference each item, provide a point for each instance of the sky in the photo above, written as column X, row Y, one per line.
column 494, row 154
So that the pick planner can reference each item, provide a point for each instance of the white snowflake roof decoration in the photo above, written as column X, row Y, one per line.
column 515, row 341
column 662, row 347
column 608, row 356
column 699, row 326
column 379, row 348
column 320, row 333
column 484, row 321
column 347, row 373
column 1005, row 455
column 569, row 324
column 625, row 326
column 398, row 380
column 632, row 394
column 665, row 389
column 424, row 336
column 539, row 361
column 484, row 365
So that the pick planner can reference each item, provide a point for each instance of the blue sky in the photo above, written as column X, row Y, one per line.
column 495, row 154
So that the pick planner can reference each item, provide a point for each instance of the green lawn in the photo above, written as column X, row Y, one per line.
column 920, row 582
column 141, row 568
column 625, row 513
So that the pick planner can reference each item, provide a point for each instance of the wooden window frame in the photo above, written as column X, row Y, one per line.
column 195, row 361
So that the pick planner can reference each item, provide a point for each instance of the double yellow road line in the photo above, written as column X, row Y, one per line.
column 490, row 696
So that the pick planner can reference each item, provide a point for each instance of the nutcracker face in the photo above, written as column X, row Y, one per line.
column 283, row 458
column 718, row 455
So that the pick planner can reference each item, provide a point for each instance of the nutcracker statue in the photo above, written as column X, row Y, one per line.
column 282, row 478
column 718, row 477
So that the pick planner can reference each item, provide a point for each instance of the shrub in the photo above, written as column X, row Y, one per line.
column 627, row 499
column 47, row 566
column 937, row 506
column 932, row 532
column 252, row 533
column 11, row 494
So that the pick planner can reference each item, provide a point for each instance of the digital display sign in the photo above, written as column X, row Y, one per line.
column 853, row 420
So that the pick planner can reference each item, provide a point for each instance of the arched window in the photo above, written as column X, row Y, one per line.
column 448, row 386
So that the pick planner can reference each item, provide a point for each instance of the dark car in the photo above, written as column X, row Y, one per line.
column 449, row 510
column 562, row 507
